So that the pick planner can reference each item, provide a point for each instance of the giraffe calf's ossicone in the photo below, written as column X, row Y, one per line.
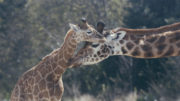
column 43, row 82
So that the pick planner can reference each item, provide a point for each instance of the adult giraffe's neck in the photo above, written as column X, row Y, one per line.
column 172, row 27
column 154, row 45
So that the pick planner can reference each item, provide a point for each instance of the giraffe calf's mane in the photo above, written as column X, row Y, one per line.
column 69, row 34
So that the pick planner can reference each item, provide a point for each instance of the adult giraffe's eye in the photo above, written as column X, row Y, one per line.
column 89, row 32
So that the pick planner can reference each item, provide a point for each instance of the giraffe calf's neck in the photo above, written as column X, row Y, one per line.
column 44, row 81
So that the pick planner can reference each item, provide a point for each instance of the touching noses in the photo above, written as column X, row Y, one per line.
column 100, row 36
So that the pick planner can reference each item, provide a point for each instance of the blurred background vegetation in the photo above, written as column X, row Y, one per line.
column 30, row 29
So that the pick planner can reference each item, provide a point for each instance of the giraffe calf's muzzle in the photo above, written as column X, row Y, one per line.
column 103, row 40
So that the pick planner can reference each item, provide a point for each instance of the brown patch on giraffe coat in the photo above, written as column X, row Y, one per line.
column 178, row 44
column 62, row 63
column 55, row 58
column 22, row 96
column 42, row 70
column 71, row 44
column 129, row 45
column 28, row 74
column 105, row 49
column 178, row 52
column 112, row 52
column 51, row 91
column 37, row 77
column 46, row 60
column 58, row 91
column 98, row 53
column 59, row 70
column 49, row 67
column 148, row 54
column 146, row 47
column 53, row 99
column 70, row 50
column 136, row 52
column 102, row 46
column 44, row 100
column 25, row 96
column 152, row 39
column 17, row 92
column 50, row 77
column 42, row 85
column 60, row 56
column 14, row 99
column 126, row 37
column 73, row 40
column 121, row 41
column 169, row 52
column 31, row 81
column 45, row 69
column 137, row 41
column 133, row 37
column 124, row 51
column 161, row 40
column 29, row 96
column 160, row 48
column 36, row 89
column 28, row 89
column 117, row 52
column 43, row 94
column 51, row 88
column 67, row 55
column 175, row 38
column 97, row 59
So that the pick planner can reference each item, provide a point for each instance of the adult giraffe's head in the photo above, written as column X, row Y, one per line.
column 85, row 32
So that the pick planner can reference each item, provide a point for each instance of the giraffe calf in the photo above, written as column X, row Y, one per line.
column 44, row 82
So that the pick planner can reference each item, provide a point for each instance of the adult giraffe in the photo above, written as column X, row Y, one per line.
column 139, row 43
column 43, row 82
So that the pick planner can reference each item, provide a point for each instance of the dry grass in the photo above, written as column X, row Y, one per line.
column 86, row 97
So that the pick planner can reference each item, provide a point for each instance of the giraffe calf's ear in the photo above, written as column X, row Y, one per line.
column 74, row 27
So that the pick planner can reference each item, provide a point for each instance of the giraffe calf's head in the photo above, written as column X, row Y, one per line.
column 85, row 32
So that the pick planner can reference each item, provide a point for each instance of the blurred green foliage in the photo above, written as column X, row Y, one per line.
column 30, row 29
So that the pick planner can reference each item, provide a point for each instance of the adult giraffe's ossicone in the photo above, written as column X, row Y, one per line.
column 43, row 82
column 139, row 43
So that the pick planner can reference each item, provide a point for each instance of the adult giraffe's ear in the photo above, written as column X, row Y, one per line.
column 74, row 27
column 100, row 26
